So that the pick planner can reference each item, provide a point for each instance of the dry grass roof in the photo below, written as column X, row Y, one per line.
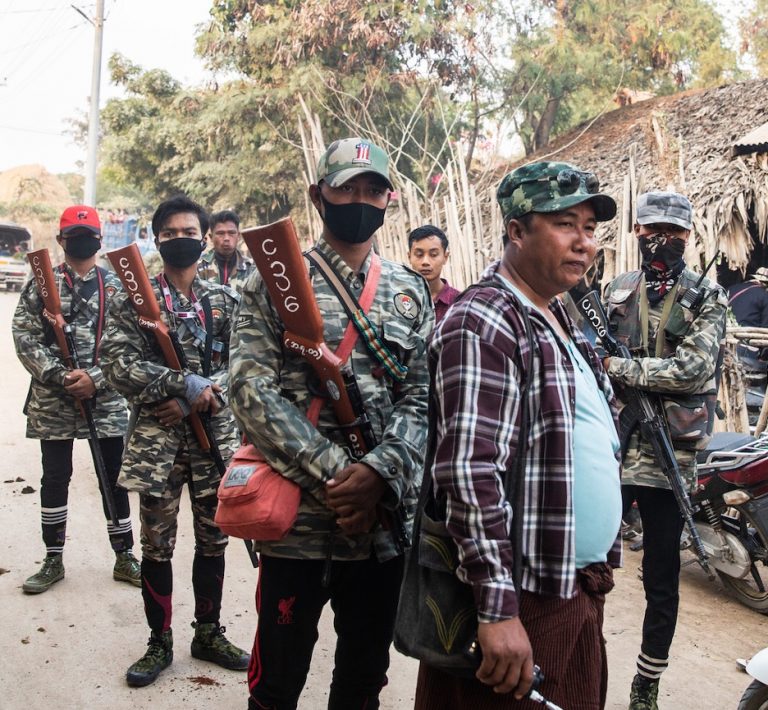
column 683, row 142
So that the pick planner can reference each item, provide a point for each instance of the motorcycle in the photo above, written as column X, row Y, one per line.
column 731, row 514
column 755, row 697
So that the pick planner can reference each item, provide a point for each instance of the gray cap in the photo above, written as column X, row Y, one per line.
column 664, row 208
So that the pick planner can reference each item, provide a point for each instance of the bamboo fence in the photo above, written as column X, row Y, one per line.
column 466, row 212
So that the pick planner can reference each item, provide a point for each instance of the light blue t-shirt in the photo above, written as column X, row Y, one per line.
column 596, row 485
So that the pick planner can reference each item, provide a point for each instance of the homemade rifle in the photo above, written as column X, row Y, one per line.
column 129, row 268
column 40, row 261
column 646, row 408
column 276, row 252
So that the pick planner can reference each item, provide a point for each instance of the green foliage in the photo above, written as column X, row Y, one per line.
column 417, row 75
column 754, row 36
column 571, row 57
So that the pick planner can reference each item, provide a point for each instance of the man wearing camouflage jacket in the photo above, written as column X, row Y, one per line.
column 674, row 353
column 223, row 263
column 162, row 453
column 53, row 414
column 336, row 550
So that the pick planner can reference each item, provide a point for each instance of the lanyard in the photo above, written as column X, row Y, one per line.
column 183, row 315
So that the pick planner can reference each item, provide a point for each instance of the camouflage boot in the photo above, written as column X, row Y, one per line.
column 643, row 694
column 127, row 568
column 157, row 658
column 51, row 572
column 210, row 644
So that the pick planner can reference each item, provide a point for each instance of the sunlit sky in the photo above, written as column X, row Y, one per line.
column 46, row 55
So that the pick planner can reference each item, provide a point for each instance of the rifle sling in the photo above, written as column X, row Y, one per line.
column 350, row 337
column 380, row 353
column 79, row 304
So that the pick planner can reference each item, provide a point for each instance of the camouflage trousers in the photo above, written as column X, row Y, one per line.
column 159, row 516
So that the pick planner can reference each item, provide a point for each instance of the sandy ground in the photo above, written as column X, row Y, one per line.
column 70, row 647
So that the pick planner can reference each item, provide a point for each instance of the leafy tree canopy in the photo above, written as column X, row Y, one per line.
column 417, row 75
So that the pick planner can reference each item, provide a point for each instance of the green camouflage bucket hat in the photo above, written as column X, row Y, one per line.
column 551, row 187
column 349, row 157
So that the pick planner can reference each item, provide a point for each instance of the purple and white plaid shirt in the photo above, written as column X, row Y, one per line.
column 475, row 357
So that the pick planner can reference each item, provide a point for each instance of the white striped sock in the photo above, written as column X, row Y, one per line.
column 651, row 668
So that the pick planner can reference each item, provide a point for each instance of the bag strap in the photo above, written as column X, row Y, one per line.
column 350, row 333
column 376, row 347
column 742, row 292
column 205, row 302
column 514, row 476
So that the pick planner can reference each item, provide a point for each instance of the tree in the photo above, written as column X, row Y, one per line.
column 754, row 35
column 569, row 58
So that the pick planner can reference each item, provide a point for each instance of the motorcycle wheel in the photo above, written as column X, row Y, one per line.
column 755, row 697
column 746, row 590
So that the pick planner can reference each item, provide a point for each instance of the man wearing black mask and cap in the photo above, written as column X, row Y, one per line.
column 674, row 338
column 337, row 550
column 162, row 453
column 52, row 409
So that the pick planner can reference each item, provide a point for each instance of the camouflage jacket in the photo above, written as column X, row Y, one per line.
column 271, row 389
column 51, row 412
column 134, row 365
column 208, row 269
column 681, row 369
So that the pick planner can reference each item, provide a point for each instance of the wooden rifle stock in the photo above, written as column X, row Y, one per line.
column 129, row 267
column 42, row 270
column 45, row 280
column 276, row 252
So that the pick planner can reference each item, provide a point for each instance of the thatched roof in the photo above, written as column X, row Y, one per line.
column 681, row 142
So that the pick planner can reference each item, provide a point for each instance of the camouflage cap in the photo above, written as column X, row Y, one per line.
column 664, row 208
column 349, row 157
column 551, row 187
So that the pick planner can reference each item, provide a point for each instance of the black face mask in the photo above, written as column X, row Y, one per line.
column 352, row 223
column 181, row 252
column 82, row 246
column 661, row 255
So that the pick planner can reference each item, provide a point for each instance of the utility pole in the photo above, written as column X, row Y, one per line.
column 89, row 196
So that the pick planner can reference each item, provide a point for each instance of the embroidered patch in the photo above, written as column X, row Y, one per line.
column 217, row 313
column 363, row 154
column 406, row 306
column 243, row 321
column 110, row 291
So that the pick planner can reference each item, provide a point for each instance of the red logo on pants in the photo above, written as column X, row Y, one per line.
column 285, row 607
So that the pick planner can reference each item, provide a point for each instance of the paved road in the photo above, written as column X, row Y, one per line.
column 69, row 648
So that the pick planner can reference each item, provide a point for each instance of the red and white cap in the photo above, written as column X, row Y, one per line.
column 79, row 217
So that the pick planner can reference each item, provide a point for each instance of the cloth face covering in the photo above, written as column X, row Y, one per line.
column 662, row 264
column 82, row 246
column 181, row 252
column 352, row 223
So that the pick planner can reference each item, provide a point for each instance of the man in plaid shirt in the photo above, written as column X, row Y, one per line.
column 571, row 499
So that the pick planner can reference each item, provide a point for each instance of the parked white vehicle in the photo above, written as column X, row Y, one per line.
column 15, row 241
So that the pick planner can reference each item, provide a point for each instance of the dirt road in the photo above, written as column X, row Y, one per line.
column 69, row 648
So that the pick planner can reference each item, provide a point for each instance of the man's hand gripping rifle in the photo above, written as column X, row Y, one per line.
column 645, row 407
column 130, row 269
column 276, row 252
column 45, row 280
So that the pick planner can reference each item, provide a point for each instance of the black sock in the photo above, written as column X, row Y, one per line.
column 207, row 583
column 157, row 590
